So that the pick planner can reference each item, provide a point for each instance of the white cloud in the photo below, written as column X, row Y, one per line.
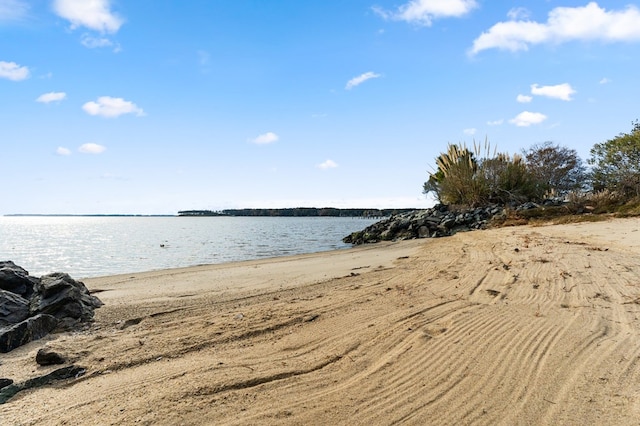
column 523, row 99
column 605, row 80
column 518, row 13
column 91, row 42
column 356, row 81
column 423, row 12
column 590, row 22
column 526, row 119
column 471, row 131
column 13, row 10
column 92, row 148
column 559, row 91
column 265, row 138
column 63, row 151
column 329, row 164
column 111, row 107
column 495, row 122
column 93, row 14
column 13, row 71
column 51, row 97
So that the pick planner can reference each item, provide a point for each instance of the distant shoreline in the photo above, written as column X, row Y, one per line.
column 297, row 212
column 88, row 215
column 257, row 212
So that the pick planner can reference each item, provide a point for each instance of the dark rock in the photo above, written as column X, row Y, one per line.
column 448, row 222
column 69, row 300
column 72, row 371
column 437, row 221
column 5, row 382
column 15, row 279
column 46, row 356
column 13, row 308
column 33, row 328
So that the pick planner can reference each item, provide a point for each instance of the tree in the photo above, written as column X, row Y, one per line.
column 557, row 170
column 616, row 163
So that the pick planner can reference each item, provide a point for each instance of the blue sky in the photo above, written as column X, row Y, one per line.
column 150, row 107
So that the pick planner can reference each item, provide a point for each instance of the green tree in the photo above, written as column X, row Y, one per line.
column 616, row 164
column 557, row 170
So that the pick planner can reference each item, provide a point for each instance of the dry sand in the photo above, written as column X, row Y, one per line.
column 510, row 326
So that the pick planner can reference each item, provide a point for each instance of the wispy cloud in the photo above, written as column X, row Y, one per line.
column 265, row 138
column 605, row 80
column 13, row 10
column 51, row 97
column 63, row 151
column 564, row 24
column 526, row 119
column 523, row 99
column 559, row 91
column 92, row 14
column 329, row 164
column 92, row 148
column 13, row 71
column 423, row 12
column 356, row 81
column 91, row 42
column 471, row 131
column 109, row 107
column 495, row 122
column 518, row 13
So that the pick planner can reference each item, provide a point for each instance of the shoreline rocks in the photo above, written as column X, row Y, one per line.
column 438, row 221
column 31, row 307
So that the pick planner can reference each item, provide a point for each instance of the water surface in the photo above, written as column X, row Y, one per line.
column 97, row 246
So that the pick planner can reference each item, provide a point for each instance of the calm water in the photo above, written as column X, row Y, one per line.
column 96, row 246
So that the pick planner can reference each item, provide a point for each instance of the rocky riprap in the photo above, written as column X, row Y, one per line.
column 441, row 221
column 438, row 221
column 31, row 307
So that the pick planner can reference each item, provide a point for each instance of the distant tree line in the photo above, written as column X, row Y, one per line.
column 297, row 212
column 480, row 176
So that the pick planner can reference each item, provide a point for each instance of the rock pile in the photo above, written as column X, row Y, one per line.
column 438, row 221
column 31, row 308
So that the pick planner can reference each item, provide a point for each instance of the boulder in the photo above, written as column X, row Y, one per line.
column 33, row 328
column 46, row 356
column 68, row 300
column 15, row 279
column 13, row 308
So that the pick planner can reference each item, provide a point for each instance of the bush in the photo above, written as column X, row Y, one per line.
column 467, row 178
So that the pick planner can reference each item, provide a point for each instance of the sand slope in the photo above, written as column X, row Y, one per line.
column 510, row 326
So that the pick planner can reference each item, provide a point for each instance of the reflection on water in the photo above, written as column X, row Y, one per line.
column 95, row 246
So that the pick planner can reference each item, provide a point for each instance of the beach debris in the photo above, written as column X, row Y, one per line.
column 5, row 382
column 32, row 307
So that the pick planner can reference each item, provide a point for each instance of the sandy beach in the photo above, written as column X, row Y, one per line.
column 512, row 326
